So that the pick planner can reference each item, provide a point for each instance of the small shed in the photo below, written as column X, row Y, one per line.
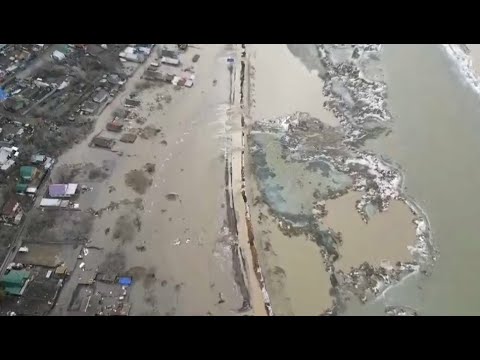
column 50, row 203
column 61, row 271
column 170, row 52
column 21, row 188
column 58, row 55
column 170, row 61
column 103, row 142
column 38, row 159
column 125, row 281
column 114, row 126
column 48, row 163
column 101, row 96
column 131, row 102
column 128, row 138
column 114, row 79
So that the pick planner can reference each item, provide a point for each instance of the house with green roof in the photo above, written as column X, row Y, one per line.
column 30, row 180
column 27, row 172
column 15, row 282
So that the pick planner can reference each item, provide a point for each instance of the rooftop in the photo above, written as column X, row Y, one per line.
column 10, row 207
column 27, row 172
column 14, row 281
column 62, row 190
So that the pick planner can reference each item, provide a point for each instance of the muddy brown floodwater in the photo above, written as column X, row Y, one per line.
column 290, row 178
column 386, row 237
column 296, row 279
column 178, row 254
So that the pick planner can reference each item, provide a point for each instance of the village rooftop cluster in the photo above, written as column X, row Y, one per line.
column 50, row 97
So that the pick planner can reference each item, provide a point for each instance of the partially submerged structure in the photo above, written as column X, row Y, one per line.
column 128, row 138
column 114, row 126
column 103, row 142
column 59, row 204
column 62, row 190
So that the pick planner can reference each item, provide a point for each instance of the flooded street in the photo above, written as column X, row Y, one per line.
column 296, row 180
column 436, row 139
column 172, row 240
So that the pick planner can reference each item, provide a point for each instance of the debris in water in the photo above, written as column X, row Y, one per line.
column 172, row 196
column 141, row 248
column 138, row 181
column 150, row 168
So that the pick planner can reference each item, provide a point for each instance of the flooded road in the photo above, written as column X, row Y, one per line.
column 173, row 241
column 173, row 219
column 436, row 139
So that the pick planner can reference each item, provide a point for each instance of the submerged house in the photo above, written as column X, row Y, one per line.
column 114, row 126
column 103, row 142
column 62, row 190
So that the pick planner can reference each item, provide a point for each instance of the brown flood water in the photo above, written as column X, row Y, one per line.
column 182, row 238
column 296, row 279
column 386, row 237
column 295, row 272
